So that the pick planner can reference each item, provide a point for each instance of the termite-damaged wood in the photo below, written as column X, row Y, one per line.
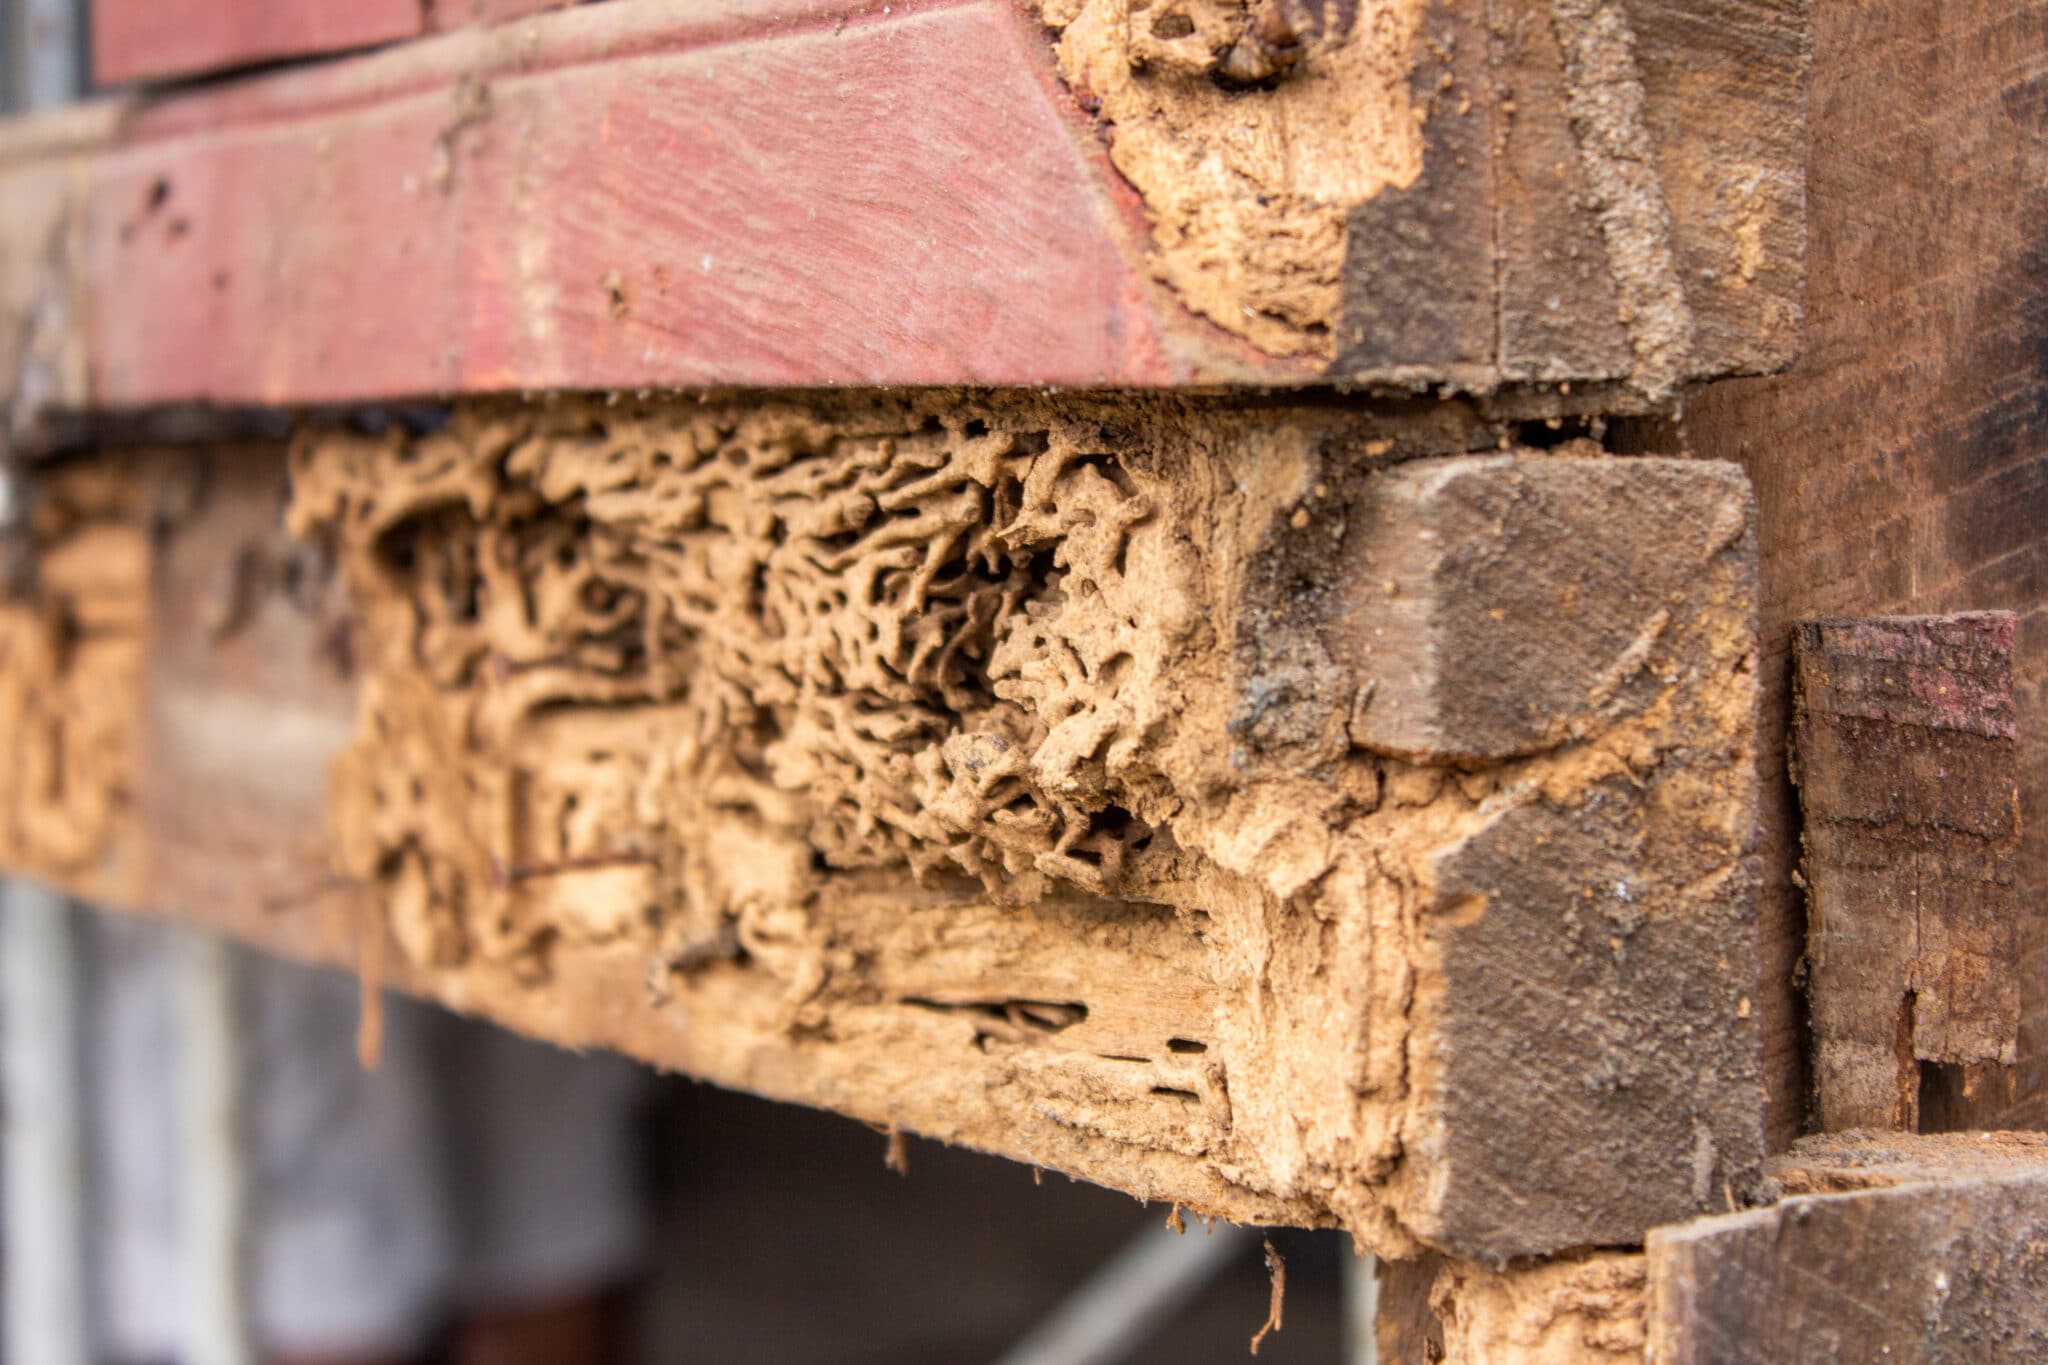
column 70, row 677
column 1580, row 203
column 1875, row 1247
column 1001, row 770
column 1905, row 753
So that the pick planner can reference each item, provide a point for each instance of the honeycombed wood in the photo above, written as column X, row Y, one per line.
column 1003, row 771
column 1585, row 203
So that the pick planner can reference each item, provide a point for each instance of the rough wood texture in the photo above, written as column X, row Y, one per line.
column 1938, row 1255
column 1585, row 1309
column 1900, row 464
column 1876, row 1247
column 142, row 40
column 675, row 193
column 982, row 768
column 1905, row 753
column 1405, row 1326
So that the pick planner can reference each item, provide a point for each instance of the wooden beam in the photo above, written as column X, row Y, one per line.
column 155, row 40
column 1872, row 1247
column 152, row 39
column 676, row 193
column 1002, row 772
column 1900, row 465
column 1905, row 752
column 1917, row 1250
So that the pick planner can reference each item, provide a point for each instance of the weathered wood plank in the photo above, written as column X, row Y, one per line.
column 1874, row 1247
column 676, row 193
column 145, row 39
column 1899, row 465
column 148, row 40
column 981, row 770
column 1934, row 1253
column 45, row 359
column 897, row 202
column 1905, row 753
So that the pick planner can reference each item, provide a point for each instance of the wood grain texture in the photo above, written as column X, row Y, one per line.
column 1405, row 1326
column 152, row 40
column 1341, row 988
column 1905, row 753
column 1926, row 1258
column 1899, row 465
column 678, row 192
column 895, row 202
column 1871, row 1247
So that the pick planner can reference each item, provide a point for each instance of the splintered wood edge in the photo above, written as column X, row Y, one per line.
column 1274, row 1002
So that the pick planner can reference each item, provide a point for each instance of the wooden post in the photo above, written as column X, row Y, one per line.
column 1901, row 462
column 1905, row 751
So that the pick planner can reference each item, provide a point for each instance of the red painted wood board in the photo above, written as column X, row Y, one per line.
column 695, row 193
column 708, row 197
column 142, row 40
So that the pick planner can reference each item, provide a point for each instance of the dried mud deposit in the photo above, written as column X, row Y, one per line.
column 1251, row 128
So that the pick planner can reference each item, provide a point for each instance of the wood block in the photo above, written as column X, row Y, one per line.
column 676, row 193
column 1405, row 1325
column 1905, row 751
column 1873, row 1247
column 1510, row 659
column 983, row 770
column 1931, row 1251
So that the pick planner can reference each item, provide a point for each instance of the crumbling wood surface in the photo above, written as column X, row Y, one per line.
column 1583, row 1309
column 1905, row 753
column 1587, row 203
column 1900, row 465
column 1020, row 772
column 1887, row 1247
column 146, row 40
